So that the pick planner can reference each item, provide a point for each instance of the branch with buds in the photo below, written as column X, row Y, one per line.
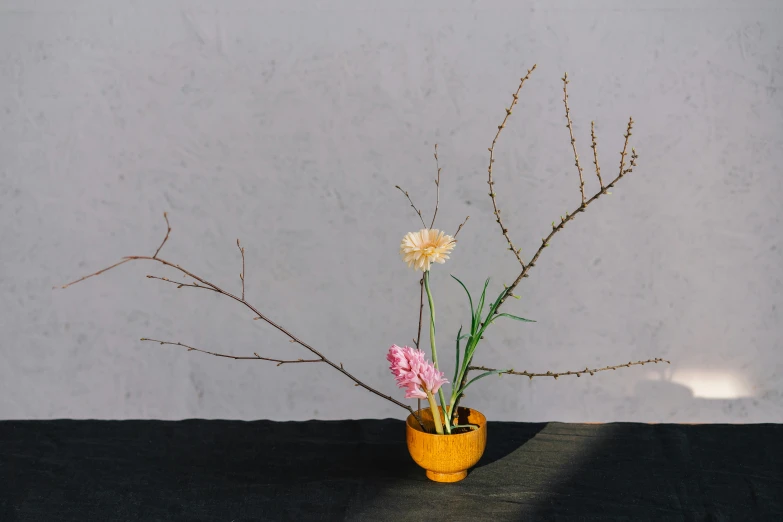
column 206, row 285
column 578, row 373
column 422, row 378
column 556, row 227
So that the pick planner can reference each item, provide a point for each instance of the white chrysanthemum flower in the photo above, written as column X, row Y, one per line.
column 426, row 246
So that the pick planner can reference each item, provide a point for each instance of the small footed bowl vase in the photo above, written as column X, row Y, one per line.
column 446, row 458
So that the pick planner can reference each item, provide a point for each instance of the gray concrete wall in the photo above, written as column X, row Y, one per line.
column 287, row 124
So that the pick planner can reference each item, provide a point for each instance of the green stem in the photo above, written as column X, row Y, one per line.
column 431, row 303
column 446, row 412
column 435, row 413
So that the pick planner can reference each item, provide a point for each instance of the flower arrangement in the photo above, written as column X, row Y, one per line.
column 421, row 250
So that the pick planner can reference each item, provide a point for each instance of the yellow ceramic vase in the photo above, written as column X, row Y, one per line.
column 447, row 458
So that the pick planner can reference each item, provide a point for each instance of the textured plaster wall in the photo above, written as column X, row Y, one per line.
column 287, row 124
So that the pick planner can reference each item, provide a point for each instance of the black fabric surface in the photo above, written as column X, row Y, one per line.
column 360, row 470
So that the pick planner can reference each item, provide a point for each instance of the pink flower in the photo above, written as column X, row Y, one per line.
column 413, row 372
column 403, row 361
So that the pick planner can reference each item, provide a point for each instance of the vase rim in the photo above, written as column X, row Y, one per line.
column 412, row 424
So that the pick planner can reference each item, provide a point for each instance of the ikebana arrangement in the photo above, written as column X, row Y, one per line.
column 444, row 438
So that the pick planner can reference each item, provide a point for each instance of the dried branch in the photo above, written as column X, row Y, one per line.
column 179, row 284
column 255, row 356
column 594, row 146
column 490, row 182
column 421, row 311
column 555, row 227
column 242, row 275
column 418, row 331
column 460, row 227
column 573, row 141
column 99, row 272
column 545, row 243
column 168, row 231
column 569, row 216
column 437, row 187
column 634, row 157
column 412, row 205
column 578, row 373
column 258, row 315
column 625, row 147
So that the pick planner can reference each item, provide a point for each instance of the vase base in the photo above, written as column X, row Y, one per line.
column 446, row 477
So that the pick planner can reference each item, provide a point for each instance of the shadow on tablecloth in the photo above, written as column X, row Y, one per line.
column 360, row 470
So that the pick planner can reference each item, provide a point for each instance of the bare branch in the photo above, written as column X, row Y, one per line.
column 242, row 275
column 594, row 146
column 255, row 356
column 625, row 147
column 569, row 216
column 545, row 243
column 437, row 187
column 573, row 141
column 258, row 315
column 412, row 205
column 578, row 373
column 421, row 310
column 99, row 272
column 492, row 160
column 555, row 227
column 417, row 340
column 179, row 284
column 168, row 231
column 491, row 183
column 124, row 260
column 634, row 157
column 460, row 227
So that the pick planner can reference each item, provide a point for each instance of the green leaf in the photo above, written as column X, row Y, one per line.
column 470, row 299
column 480, row 306
column 497, row 303
column 490, row 318
column 516, row 318
column 474, row 379
column 456, row 366
column 471, row 426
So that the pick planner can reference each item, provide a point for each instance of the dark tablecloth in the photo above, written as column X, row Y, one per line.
column 360, row 470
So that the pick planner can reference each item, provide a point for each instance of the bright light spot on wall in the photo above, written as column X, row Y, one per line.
column 707, row 384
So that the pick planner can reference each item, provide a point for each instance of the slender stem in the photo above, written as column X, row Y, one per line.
column 460, row 227
column 255, row 357
column 578, row 373
column 431, row 302
column 573, row 141
column 417, row 340
column 432, row 342
column 594, row 146
column 99, row 272
column 435, row 413
column 412, row 205
column 461, row 380
column 242, row 275
column 437, row 188
column 168, row 231
column 445, row 409
column 491, row 182
column 625, row 146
